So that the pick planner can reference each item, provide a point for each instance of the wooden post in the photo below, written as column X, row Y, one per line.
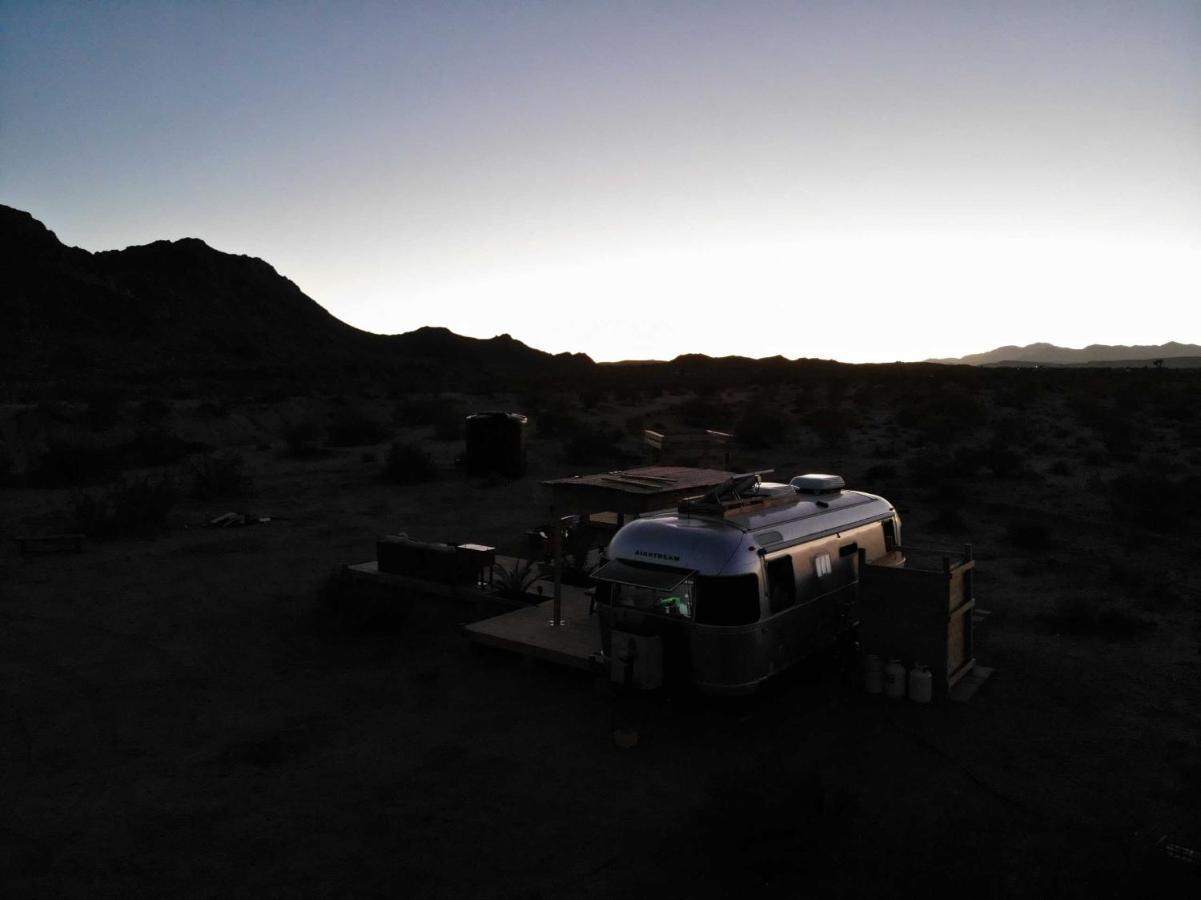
column 556, row 543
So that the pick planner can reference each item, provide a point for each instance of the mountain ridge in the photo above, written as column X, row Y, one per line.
column 1043, row 353
column 180, row 309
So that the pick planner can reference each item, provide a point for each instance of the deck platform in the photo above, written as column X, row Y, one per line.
column 528, row 631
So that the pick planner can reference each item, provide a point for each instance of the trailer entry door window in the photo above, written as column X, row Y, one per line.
column 781, row 583
column 727, row 601
column 675, row 604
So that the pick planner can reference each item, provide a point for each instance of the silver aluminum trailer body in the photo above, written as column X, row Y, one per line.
column 737, row 596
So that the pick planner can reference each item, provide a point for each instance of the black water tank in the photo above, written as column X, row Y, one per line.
column 496, row 443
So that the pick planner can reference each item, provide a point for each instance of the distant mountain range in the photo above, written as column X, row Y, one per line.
column 179, row 315
column 1172, row 354
column 176, row 311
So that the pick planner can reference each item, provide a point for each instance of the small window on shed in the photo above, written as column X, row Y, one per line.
column 822, row 564
column 781, row 583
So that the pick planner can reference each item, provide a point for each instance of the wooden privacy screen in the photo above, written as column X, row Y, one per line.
column 920, row 612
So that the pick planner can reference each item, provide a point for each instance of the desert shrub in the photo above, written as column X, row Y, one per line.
column 592, row 397
column 1154, row 587
column 419, row 411
column 761, row 425
column 881, row 472
column 102, row 410
column 212, row 410
column 1003, row 461
column 449, row 424
column 134, row 506
column 223, row 475
column 703, row 409
column 74, row 461
column 1028, row 535
column 929, row 466
column 831, row 423
column 940, row 412
column 1085, row 615
column 1121, row 441
column 352, row 427
column 965, row 461
column 7, row 465
column 303, row 438
column 593, row 444
column 1155, row 501
column 1012, row 429
column 883, row 451
column 1060, row 467
column 408, row 464
column 157, row 447
column 557, row 422
column 153, row 409
column 948, row 519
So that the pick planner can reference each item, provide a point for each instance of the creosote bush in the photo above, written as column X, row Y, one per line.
column 156, row 447
column 71, row 462
column 222, row 475
column 303, row 439
column 761, row 426
column 1028, row 535
column 408, row 464
column 132, row 506
column 593, row 444
column 352, row 427
column 1086, row 616
column 448, row 424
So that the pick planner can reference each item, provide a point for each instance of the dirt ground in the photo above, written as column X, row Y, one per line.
column 179, row 715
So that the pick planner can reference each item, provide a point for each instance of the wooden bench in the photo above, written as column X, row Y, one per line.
column 49, row 543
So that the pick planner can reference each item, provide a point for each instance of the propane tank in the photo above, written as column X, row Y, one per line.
column 894, row 680
column 921, row 684
column 873, row 674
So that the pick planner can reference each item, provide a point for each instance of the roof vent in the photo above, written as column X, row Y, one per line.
column 814, row 484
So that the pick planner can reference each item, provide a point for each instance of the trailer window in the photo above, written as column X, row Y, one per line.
column 727, row 601
column 890, row 534
column 781, row 583
column 676, row 603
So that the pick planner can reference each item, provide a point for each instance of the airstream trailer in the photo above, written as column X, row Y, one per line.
column 737, row 585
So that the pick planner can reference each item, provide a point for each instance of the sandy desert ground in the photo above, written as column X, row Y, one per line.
column 182, row 716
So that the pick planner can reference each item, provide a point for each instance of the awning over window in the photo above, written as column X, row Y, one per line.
column 647, row 575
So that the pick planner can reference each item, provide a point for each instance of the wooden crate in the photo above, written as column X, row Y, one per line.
column 920, row 612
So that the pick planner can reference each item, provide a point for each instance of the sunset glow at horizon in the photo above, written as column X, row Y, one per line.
column 859, row 181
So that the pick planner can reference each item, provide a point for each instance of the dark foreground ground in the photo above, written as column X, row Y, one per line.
column 182, row 717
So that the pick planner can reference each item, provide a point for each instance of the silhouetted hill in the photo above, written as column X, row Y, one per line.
column 182, row 310
column 1101, row 355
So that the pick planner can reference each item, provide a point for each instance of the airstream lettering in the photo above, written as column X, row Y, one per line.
column 740, row 583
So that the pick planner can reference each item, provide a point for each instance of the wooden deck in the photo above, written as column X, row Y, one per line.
column 528, row 631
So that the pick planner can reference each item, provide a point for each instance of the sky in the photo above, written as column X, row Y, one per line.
column 863, row 181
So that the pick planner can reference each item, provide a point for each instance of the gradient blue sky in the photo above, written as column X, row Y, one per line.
column 860, row 181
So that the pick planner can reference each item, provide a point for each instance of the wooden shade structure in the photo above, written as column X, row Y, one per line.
column 627, row 492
